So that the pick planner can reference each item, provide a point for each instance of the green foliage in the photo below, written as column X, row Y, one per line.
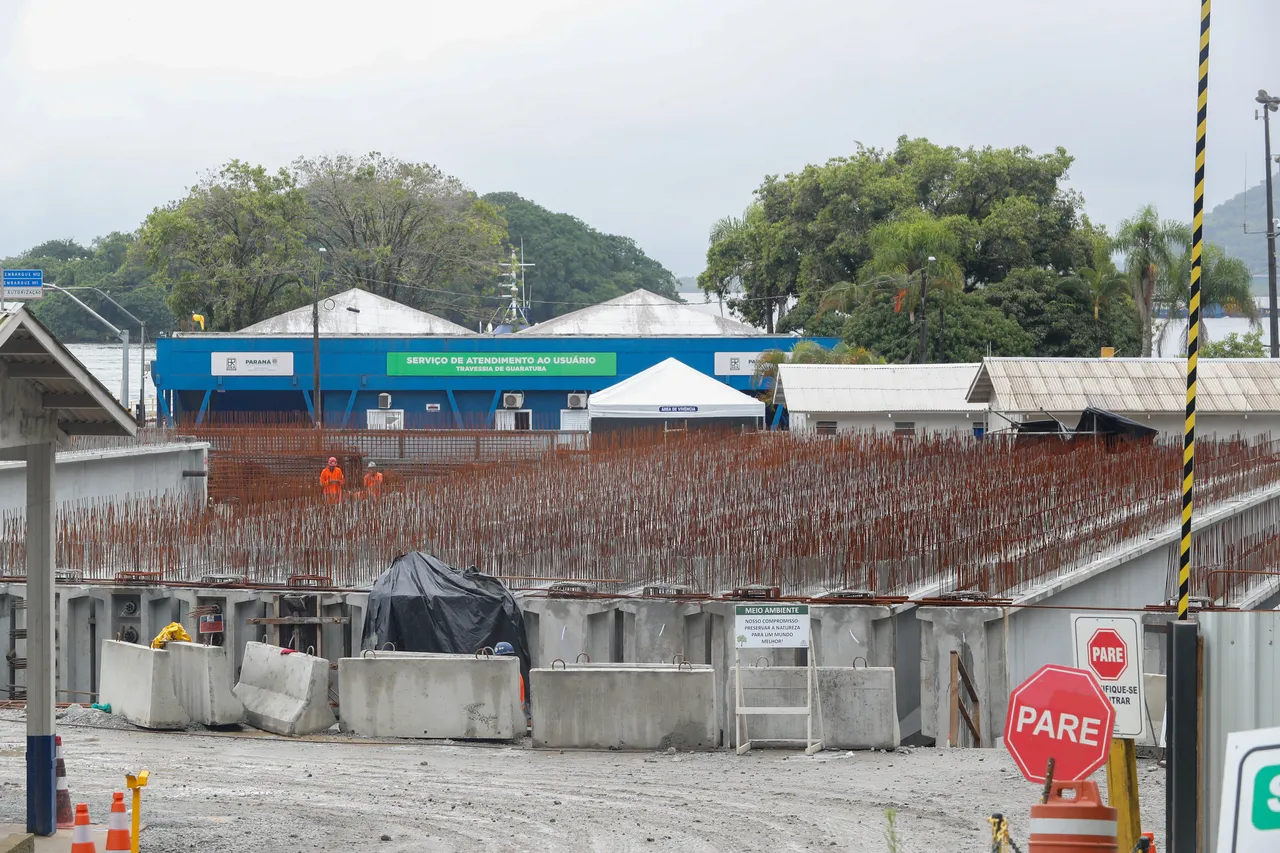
column 106, row 265
column 574, row 264
column 891, row 830
column 1057, row 312
column 234, row 249
column 961, row 328
column 750, row 266
column 1235, row 346
column 1151, row 247
column 810, row 352
column 406, row 231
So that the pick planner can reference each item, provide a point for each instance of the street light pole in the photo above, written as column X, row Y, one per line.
column 1269, row 105
column 317, row 404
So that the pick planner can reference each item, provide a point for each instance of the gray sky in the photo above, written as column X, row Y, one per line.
column 649, row 118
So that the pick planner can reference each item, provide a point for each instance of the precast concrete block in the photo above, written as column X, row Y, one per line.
column 137, row 682
column 202, row 682
column 1153, row 694
column 284, row 692
column 621, row 706
column 421, row 695
column 859, row 705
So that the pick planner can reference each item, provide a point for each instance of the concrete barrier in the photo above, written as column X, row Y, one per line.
column 1153, row 689
column 621, row 706
column 859, row 705
column 137, row 682
column 287, row 694
column 406, row 694
column 202, row 682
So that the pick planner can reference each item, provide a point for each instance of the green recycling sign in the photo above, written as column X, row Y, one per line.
column 1249, row 809
column 1265, row 814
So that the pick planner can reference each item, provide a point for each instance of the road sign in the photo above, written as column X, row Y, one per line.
column 1059, row 713
column 771, row 626
column 22, row 284
column 1111, row 648
column 1249, row 818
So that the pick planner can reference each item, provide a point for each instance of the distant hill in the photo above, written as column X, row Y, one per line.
column 1224, row 225
column 574, row 264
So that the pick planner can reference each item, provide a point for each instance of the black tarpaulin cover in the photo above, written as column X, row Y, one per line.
column 421, row 604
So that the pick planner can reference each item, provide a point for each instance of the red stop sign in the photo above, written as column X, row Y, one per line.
column 1108, row 654
column 1059, row 713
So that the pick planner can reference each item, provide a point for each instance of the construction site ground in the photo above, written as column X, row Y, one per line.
column 247, row 791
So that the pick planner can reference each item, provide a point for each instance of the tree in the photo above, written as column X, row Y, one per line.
column 968, row 329
column 406, row 231
column 1150, row 245
column 1235, row 346
column 810, row 352
column 233, row 249
column 1006, row 208
column 1055, row 311
column 1225, row 282
column 574, row 265
column 749, row 266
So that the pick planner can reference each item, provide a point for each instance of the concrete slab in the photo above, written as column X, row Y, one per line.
column 202, row 682
column 399, row 694
column 859, row 705
column 137, row 682
column 285, row 693
column 618, row 706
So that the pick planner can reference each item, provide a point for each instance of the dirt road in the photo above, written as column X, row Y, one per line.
column 250, row 793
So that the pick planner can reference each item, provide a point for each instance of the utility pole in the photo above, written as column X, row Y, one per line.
column 1269, row 105
column 317, row 405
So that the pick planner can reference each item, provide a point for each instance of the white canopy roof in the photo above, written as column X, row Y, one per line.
column 357, row 312
column 672, row 389
column 641, row 314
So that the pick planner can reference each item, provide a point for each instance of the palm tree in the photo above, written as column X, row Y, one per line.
column 810, row 352
column 1104, row 285
column 1225, row 281
column 1150, row 246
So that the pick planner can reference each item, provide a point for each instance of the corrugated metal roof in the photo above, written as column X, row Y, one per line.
column 357, row 312
column 641, row 314
column 78, row 401
column 876, row 387
column 1138, row 385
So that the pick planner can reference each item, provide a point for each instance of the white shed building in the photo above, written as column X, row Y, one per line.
column 1235, row 396
column 906, row 399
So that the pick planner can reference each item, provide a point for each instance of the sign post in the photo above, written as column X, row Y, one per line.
column 1111, row 648
column 1249, row 820
column 1059, row 713
column 21, row 284
column 775, row 626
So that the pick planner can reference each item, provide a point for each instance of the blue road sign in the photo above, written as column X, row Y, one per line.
column 23, row 284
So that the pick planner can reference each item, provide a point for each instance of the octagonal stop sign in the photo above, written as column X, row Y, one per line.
column 1059, row 713
column 1108, row 654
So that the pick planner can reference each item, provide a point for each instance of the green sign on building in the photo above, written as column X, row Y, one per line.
column 1266, row 798
column 502, row 364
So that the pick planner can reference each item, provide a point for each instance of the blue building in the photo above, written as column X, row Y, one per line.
column 385, row 365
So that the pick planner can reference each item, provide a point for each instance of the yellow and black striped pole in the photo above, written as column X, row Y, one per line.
column 1193, row 321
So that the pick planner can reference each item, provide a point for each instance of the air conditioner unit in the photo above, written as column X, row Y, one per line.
column 577, row 400
column 512, row 400
column 384, row 401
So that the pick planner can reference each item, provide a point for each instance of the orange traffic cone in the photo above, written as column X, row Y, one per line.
column 1151, row 841
column 118, row 826
column 66, row 818
column 82, row 835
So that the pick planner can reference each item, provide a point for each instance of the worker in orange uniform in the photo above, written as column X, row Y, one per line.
column 332, row 481
column 373, row 481
column 505, row 649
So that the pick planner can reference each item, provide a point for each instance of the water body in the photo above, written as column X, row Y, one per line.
column 105, row 362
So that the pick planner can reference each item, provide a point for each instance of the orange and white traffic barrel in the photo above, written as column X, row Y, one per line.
column 1078, row 822
column 66, row 818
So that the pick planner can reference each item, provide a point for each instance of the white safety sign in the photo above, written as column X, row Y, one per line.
column 251, row 364
column 1249, row 819
column 771, row 626
column 1110, row 647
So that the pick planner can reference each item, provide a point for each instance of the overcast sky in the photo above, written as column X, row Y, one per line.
column 649, row 118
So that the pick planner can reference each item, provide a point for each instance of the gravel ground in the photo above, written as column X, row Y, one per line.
column 242, row 792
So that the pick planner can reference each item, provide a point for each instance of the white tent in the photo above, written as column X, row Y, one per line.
column 672, row 390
